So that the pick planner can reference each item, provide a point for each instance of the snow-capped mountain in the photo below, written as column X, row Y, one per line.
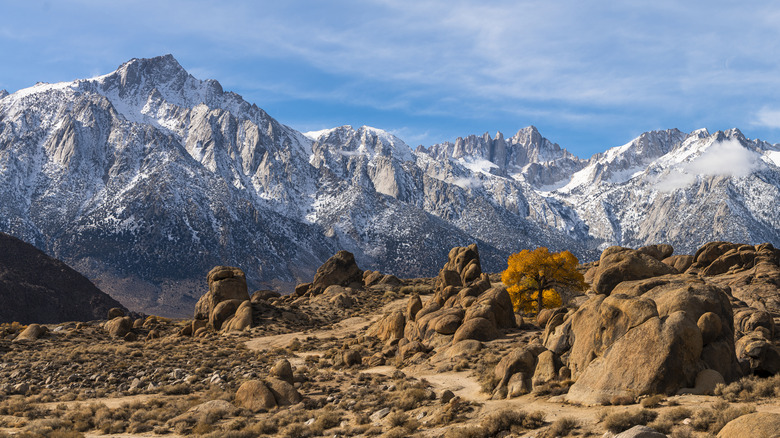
column 684, row 189
column 145, row 178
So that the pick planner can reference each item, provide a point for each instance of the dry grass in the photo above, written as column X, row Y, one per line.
column 750, row 389
column 617, row 422
column 713, row 419
column 652, row 401
column 561, row 427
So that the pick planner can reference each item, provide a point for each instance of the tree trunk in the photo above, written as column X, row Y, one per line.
column 540, row 295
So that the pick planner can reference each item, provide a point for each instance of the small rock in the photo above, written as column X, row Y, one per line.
column 21, row 388
column 380, row 414
column 446, row 396
column 640, row 432
column 283, row 370
column 352, row 357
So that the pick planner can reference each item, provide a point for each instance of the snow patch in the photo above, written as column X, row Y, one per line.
column 773, row 157
column 477, row 165
column 316, row 135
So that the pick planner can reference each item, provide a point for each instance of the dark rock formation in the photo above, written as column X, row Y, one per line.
column 37, row 288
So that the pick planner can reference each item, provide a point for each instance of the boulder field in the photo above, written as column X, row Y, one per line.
column 651, row 323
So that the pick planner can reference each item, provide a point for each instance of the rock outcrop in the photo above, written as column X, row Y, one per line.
column 619, row 264
column 752, row 425
column 647, row 314
column 225, row 283
column 339, row 270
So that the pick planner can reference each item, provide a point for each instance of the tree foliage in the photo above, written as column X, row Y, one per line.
column 532, row 278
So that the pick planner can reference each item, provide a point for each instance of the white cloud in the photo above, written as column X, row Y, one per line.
column 466, row 183
column 726, row 158
column 768, row 118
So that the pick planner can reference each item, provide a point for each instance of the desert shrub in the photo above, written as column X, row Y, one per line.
column 230, row 434
column 411, row 398
column 396, row 432
column 750, row 388
column 561, row 427
column 466, row 432
column 420, row 290
column 617, row 422
column 621, row 400
column 295, row 430
column 326, row 419
column 683, row 431
column 712, row 420
column 202, row 428
column 178, row 389
column 652, row 402
column 661, row 425
column 552, row 388
column 64, row 434
column 676, row 414
column 485, row 372
column 397, row 419
column 511, row 420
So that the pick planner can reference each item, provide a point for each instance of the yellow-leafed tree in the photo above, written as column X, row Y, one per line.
column 531, row 278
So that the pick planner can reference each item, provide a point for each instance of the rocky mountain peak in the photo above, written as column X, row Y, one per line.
column 364, row 141
column 3, row 93
column 161, row 78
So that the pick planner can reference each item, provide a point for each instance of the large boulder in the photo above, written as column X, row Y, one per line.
column 119, row 326
column 678, row 323
column 751, row 272
column 498, row 307
column 224, row 311
column 479, row 329
column 390, row 327
column 340, row 270
column 651, row 348
column 465, row 261
column 413, row 306
column 705, row 304
column 255, row 396
column 225, row 283
column 757, row 354
column 679, row 262
column 618, row 264
column 31, row 333
column 284, row 392
column 758, row 424
column 241, row 319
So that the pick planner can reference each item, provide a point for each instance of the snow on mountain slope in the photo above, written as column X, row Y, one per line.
column 683, row 189
column 146, row 177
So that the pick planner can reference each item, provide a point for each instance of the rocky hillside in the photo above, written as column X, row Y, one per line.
column 661, row 345
column 37, row 288
column 146, row 177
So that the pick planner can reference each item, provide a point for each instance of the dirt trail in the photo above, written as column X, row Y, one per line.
column 340, row 329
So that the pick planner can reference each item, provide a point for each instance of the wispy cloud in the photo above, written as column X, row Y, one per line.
column 768, row 118
column 562, row 64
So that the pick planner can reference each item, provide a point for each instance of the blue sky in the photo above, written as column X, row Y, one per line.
column 589, row 75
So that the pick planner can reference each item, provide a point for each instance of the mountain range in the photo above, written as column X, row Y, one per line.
column 145, row 178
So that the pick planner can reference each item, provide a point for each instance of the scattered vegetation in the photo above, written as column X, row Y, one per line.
column 617, row 422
